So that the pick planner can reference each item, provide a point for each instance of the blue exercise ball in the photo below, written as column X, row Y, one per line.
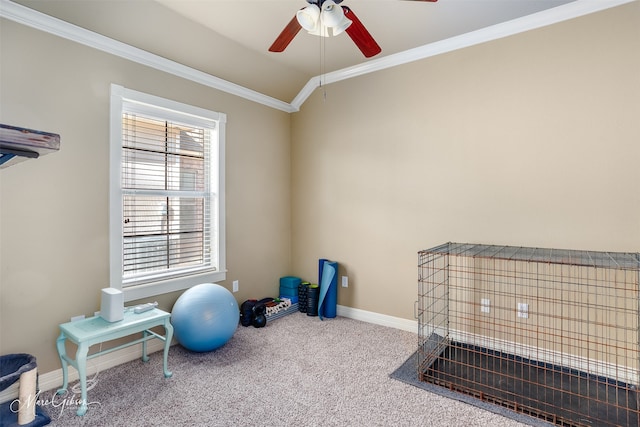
column 205, row 317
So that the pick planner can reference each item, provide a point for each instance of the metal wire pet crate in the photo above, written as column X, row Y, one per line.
column 551, row 333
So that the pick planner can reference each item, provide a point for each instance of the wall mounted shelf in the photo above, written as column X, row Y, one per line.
column 19, row 144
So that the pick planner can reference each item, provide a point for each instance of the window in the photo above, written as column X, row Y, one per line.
column 166, row 194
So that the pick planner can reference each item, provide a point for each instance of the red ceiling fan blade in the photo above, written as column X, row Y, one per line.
column 285, row 37
column 360, row 35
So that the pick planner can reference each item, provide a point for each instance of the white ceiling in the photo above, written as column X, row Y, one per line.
column 229, row 39
column 397, row 25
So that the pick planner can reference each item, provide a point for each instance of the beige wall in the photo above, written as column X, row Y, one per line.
column 54, row 210
column 530, row 140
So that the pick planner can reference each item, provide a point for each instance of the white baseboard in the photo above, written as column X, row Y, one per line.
column 556, row 358
column 53, row 380
column 378, row 319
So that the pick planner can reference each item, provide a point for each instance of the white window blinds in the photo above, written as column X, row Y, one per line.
column 166, row 194
column 167, row 197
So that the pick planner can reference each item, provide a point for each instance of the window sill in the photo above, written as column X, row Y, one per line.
column 147, row 290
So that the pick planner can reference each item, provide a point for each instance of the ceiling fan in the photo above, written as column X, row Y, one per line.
column 325, row 18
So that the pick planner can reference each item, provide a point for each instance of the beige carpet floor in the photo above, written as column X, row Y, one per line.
column 296, row 371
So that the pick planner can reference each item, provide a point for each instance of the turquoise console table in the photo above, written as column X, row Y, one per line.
column 94, row 330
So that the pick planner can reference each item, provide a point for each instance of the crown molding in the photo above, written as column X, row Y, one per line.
column 43, row 22
column 49, row 24
column 530, row 22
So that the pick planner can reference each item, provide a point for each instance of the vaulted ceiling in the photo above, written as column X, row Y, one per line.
column 229, row 39
column 397, row 25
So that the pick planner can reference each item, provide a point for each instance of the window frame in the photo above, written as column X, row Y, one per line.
column 120, row 98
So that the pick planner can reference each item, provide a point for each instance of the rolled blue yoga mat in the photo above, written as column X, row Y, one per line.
column 328, row 280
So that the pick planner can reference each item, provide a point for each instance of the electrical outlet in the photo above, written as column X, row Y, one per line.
column 236, row 286
column 523, row 310
column 485, row 305
column 76, row 318
column 345, row 282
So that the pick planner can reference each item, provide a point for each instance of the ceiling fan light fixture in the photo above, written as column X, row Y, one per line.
column 309, row 17
column 341, row 27
column 325, row 18
column 332, row 16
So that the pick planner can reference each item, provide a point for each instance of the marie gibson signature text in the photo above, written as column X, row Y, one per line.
column 61, row 403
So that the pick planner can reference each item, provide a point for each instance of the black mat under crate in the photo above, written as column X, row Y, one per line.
column 558, row 395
